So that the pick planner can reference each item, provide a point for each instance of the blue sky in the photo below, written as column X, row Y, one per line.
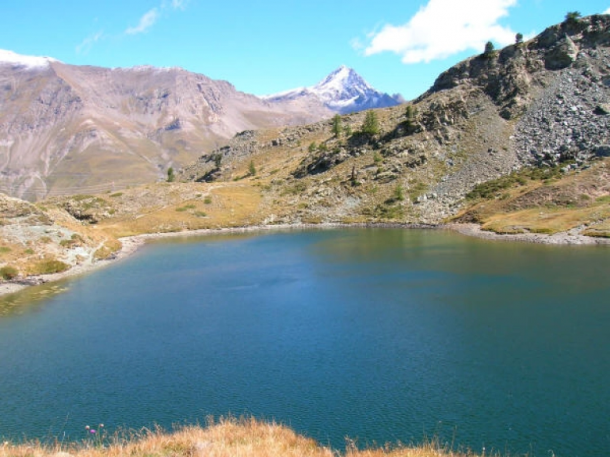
column 267, row 46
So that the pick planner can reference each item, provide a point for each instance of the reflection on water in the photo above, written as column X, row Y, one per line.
column 28, row 299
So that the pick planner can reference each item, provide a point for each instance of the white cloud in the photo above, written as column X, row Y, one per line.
column 146, row 22
column 85, row 46
column 607, row 11
column 443, row 28
column 179, row 4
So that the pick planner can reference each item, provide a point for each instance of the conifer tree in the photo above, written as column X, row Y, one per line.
column 370, row 127
column 489, row 49
column 337, row 126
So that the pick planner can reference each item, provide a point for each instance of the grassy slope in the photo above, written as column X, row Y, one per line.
column 530, row 200
column 551, row 202
column 227, row 438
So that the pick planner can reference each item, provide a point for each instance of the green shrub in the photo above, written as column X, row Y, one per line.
column 47, row 267
column 207, row 200
column 542, row 230
column 493, row 188
column 171, row 177
column 7, row 273
column 399, row 193
column 295, row 189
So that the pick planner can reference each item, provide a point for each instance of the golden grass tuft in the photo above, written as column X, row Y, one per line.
column 225, row 438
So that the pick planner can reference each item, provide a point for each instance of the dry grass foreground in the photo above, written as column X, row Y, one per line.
column 228, row 437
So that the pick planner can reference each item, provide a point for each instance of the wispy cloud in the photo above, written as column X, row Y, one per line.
column 607, row 11
column 85, row 46
column 146, row 21
column 179, row 4
column 151, row 17
column 442, row 28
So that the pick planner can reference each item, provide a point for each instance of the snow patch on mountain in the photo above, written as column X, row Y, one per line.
column 343, row 91
column 18, row 60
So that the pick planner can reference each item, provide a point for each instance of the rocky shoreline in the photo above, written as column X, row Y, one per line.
column 571, row 237
column 131, row 244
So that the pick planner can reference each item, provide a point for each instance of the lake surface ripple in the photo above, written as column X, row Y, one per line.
column 382, row 335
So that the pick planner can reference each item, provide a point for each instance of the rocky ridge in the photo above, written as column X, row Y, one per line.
column 539, row 103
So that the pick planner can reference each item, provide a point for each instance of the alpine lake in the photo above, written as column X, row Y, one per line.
column 380, row 335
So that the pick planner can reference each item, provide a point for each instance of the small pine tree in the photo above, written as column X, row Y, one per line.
column 489, row 49
column 410, row 113
column 312, row 147
column 354, row 177
column 337, row 127
column 217, row 160
column 348, row 130
column 370, row 126
column 252, row 168
column 573, row 16
column 377, row 158
column 171, row 177
column 518, row 38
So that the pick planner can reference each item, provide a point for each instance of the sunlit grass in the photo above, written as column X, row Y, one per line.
column 225, row 438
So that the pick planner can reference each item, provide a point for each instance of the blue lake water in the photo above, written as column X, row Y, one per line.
column 382, row 335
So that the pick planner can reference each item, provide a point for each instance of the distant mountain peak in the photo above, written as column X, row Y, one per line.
column 17, row 60
column 342, row 91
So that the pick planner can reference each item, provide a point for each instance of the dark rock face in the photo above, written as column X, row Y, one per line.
column 603, row 151
column 512, row 76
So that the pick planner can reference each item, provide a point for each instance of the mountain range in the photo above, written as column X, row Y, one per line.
column 67, row 129
column 516, row 140
column 343, row 91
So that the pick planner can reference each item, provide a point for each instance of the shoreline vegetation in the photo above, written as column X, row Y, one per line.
column 223, row 438
column 132, row 243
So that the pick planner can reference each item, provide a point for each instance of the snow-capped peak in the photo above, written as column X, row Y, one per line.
column 14, row 59
column 342, row 91
column 340, row 80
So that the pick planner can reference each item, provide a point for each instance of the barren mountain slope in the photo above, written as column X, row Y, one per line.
column 66, row 129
